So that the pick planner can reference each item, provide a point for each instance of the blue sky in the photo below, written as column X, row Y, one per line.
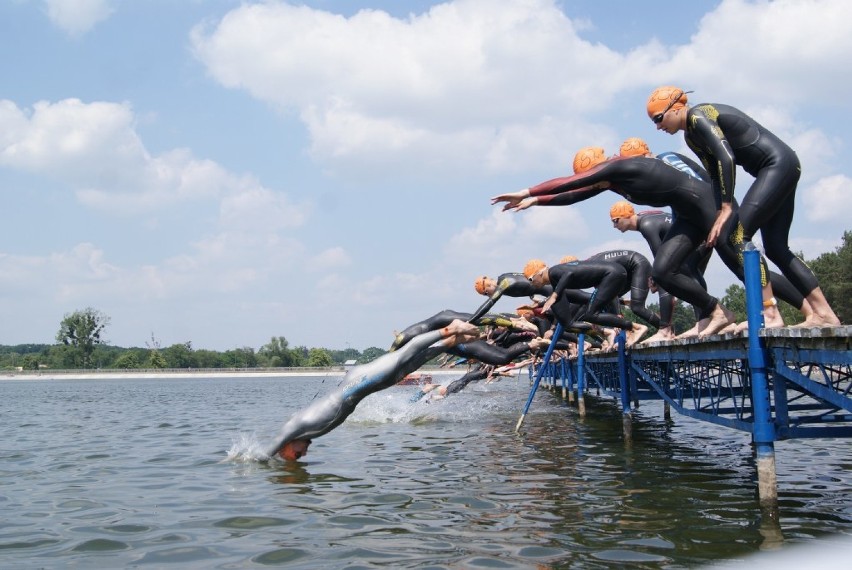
column 223, row 172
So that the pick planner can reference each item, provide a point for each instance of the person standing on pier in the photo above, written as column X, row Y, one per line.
column 724, row 137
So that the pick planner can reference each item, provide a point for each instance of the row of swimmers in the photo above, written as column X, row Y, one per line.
column 705, row 217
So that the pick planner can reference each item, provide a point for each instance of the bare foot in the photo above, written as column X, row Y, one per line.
column 633, row 335
column 691, row 333
column 459, row 331
column 732, row 328
column 816, row 321
column 719, row 319
column 662, row 335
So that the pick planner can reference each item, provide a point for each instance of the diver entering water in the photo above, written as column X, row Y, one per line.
column 327, row 413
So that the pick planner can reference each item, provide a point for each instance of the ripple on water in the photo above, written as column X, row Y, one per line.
column 100, row 545
column 245, row 523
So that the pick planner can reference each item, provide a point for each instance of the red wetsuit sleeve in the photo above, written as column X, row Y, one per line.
column 569, row 197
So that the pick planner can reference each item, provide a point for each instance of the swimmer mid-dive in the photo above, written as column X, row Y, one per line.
column 327, row 413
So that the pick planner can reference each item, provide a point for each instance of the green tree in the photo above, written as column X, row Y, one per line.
column 319, row 357
column 180, row 356
column 300, row 356
column 370, row 354
column 834, row 272
column 82, row 331
column 210, row 359
column 276, row 353
column 29, row 362
column 735, row 301
column 127, row 360
column 156, row 360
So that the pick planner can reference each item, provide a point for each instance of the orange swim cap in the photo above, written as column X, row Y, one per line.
column 480, row 284
column 533, row 266
column 568, row 259
column 634, row 146
column 664, row 98
column 525, row 311
column 587, row 158
column 621, row 209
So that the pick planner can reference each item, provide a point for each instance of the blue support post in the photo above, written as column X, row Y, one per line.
column 581, row 374
column 622, row 373
column 763, row 432
column 544, row 364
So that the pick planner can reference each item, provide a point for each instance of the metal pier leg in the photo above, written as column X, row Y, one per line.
column 624, row 385
column 581, row 375
column 545, row 361
column 763, row 430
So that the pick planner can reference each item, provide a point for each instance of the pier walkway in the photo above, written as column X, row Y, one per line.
column 774, row 384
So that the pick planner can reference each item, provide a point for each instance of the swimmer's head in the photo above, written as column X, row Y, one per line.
column 295, row 449
column 587, row 158
column 484, row 285
column 621, row 209
column 532, row 267
column 664, row 99
column 634, row 146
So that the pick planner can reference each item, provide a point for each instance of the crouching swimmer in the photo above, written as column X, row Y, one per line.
column 327, row 413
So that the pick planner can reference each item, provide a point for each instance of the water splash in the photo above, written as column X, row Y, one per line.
column 246, row 448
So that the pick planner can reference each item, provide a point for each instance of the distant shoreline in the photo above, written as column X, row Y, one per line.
column 335, row 372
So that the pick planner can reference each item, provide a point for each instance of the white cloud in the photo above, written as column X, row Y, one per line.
column 95, row 148
column 465, row 84
column 76, row 17
column 828, row 199
column 455, row 84
column 767, row 52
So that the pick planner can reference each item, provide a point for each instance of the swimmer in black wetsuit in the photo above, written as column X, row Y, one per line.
column 607, row 279
column 723, row 137
column 729, row 246
column 325, row 414
column 645, row 181
column 638, row 273
column 447, row 316
column 652, row 182
column 657, row 224
column 509, row 284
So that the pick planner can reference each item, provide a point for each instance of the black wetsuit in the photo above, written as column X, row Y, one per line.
column 654, row 225
column 652, row 182
column 606, row 277
column 724, row 137
column 638, row 271
column 490, row 353
column 511, row 285
column 442, row 319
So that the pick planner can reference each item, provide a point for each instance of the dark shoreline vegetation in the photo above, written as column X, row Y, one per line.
column 80, row 346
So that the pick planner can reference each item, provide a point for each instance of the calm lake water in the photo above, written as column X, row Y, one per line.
column 164, row 473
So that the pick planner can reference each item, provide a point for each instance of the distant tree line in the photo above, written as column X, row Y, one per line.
column 81, row 345
column 80, row 342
